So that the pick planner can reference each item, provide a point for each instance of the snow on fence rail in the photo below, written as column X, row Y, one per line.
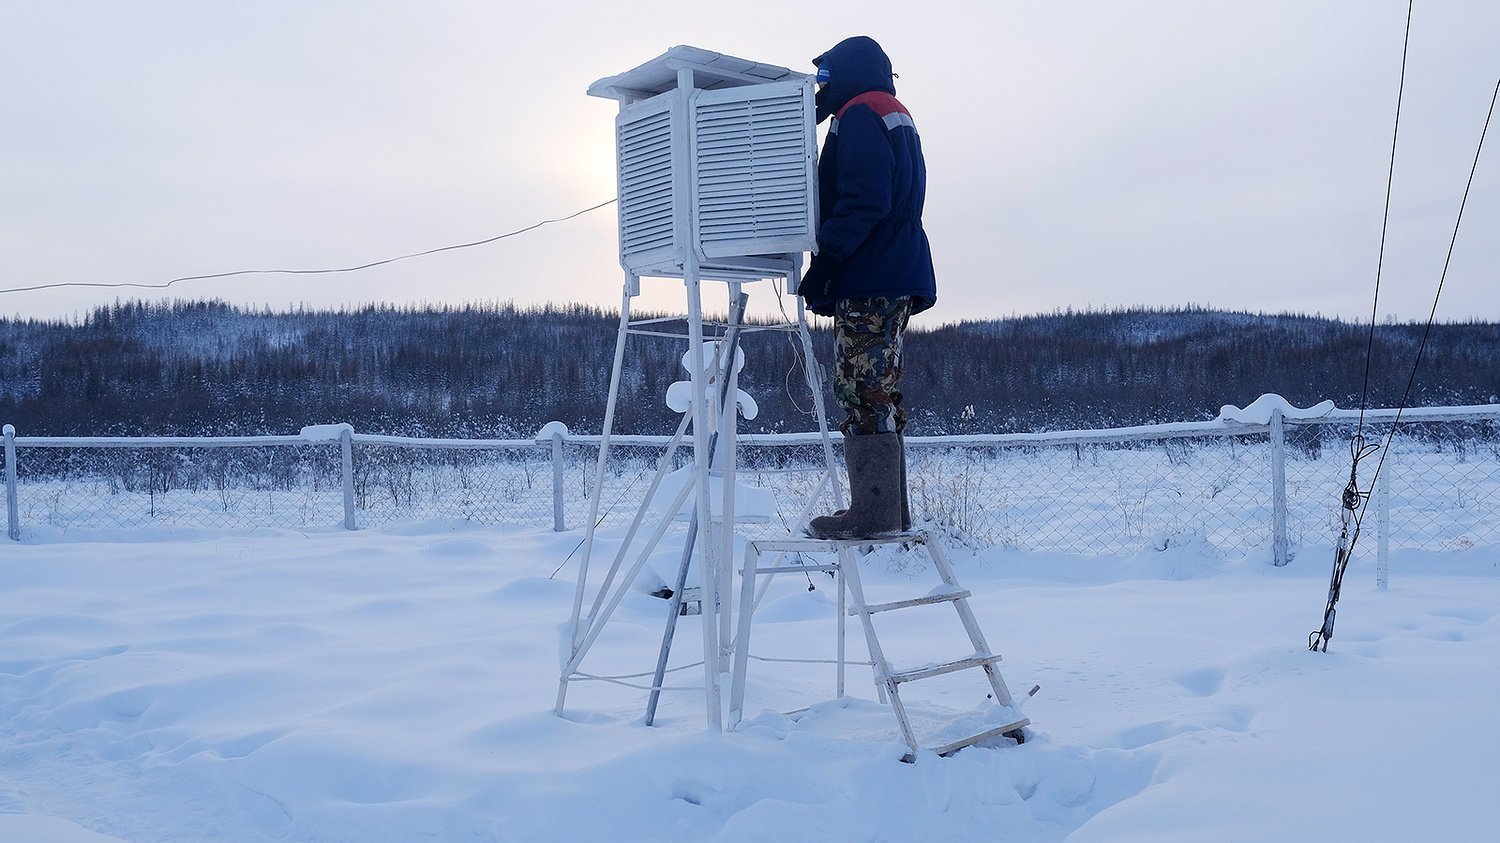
column 1263, row 479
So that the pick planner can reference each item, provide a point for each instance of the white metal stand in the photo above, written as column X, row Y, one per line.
column 710, row 537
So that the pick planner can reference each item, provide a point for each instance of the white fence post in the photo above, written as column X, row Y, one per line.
column 1383, row 523
column 12, row 508
column 554, row 433
column 1279, row 550
column 559, row 518
column 346, row 446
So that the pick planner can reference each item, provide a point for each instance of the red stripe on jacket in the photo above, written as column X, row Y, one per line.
column 880, row 102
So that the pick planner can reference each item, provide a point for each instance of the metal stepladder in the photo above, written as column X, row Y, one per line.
column 888, row 681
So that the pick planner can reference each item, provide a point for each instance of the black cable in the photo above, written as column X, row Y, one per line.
column 797, row 359
column 1357, row 503
column 1442, row 279
column 607, row 512
column 309, row 271
column 1385, row 218
column 1358, row 449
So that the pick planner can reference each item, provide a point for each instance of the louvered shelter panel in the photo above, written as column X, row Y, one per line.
column 645, row 136
column 755, row 170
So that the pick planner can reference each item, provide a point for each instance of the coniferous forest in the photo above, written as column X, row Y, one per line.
column 496, row 370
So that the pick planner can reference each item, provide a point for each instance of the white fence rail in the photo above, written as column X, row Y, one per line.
column 1236, row 488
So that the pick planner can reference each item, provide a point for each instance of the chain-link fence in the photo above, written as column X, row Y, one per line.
column 1439, row 481
column 1093, row 498
column 286, row 484
column 1087, row 492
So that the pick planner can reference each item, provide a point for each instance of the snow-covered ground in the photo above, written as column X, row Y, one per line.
column 397, row 684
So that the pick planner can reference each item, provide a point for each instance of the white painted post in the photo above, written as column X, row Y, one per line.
column 576, row 632
column 559, row 518
column 12, row 508
column 724, row 455
column 708, row 549
column 1383, row 523
column 346, row 446
column 1279, row 550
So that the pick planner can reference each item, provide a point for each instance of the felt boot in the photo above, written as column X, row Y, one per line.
column 905, row 500
column 874, row 462
column 905, row 494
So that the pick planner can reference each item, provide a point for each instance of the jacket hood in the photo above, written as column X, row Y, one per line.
column 855, row 66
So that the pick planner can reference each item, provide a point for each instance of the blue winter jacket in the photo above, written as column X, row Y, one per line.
column 872, row 182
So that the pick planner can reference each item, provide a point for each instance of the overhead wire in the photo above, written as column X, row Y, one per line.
column 1447, row 262
column 1359, row 449
column 1355, row 503
column 1432, row 314
column 1385, row 218
column 358, row 268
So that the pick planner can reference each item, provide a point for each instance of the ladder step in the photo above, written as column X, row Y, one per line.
column 950, row 748
column 940, row 669
column 797, row 569
column 917, row 601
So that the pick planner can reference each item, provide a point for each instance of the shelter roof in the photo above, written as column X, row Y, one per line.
column 710, row 71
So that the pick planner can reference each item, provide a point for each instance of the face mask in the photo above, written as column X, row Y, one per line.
column 823, row 99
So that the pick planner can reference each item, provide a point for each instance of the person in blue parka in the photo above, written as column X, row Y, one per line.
column 871, row 272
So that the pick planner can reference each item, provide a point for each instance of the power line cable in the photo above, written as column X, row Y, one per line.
column 369, row 265
column 1359, row 449
column 1385, row 218
column 1355, row 502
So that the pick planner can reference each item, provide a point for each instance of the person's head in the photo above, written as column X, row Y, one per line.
column 851, row 67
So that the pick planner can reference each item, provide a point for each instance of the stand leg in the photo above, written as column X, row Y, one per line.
column 708, row 567
column 575, row 631
column 843, row 588
column 674, row 608
column 742, row 637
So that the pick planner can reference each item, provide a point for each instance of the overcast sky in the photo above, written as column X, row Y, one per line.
column 1080, row 154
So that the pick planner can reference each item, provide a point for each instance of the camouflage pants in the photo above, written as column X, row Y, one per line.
column 867, row 363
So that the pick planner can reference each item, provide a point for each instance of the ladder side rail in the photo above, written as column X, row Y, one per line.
column 966, row 616
column 842, row 584
column 750, row 571
column 756, row 573
column 877, row 654
column 742, row 637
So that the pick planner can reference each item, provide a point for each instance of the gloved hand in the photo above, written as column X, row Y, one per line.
column 819, row 275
